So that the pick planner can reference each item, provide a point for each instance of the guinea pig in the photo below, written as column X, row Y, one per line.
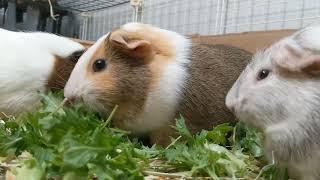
column 33, row 63
column 279, row 93
column 154, row 75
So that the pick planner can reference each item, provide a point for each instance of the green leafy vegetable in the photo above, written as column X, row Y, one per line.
column 220, row 133
column 75, row 143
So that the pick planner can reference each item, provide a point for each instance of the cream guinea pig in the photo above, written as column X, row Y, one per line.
column 31, row 63
column 279, row 92
column 154, row 75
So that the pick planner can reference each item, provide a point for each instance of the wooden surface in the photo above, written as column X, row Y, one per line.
column 250, row 41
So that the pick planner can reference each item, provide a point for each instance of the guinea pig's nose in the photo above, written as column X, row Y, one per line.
column 232, row 109
column 71, row 95
column 71, row 100
column 231, row 103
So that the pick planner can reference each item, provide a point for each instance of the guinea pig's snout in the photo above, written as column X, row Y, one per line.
column 232, row 109
column 231, row 102
column 73, row 100
column 71, row 94
column 231, row 106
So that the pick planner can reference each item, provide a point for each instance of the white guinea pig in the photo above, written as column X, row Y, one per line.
column 154, row 75
column 279, row 92
column 31, row 63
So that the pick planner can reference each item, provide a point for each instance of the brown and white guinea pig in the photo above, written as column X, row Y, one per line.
column 279, row 92
column 31, row 63
column 154, row 75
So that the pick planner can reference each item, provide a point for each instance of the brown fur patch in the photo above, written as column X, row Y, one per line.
column 313, row 68
column 212, row 72
column 61, row 71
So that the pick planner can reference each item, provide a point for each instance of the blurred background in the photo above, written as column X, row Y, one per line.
column 89, row 19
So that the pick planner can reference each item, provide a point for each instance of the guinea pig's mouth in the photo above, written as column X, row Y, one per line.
column 246, row 116
column 96, row 106
column 237, row 111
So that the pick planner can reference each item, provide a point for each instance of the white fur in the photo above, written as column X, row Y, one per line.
column 26, row 62
column 285, row 105
column 162, row 101
column 308, row 37
column 131, row 27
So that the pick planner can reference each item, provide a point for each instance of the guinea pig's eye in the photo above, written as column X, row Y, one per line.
column 99, row 65
column 263, row 74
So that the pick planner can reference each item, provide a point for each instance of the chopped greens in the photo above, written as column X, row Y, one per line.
column 75, row 143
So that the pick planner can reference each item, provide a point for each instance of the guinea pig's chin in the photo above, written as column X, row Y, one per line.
column 249, row 118
column 94, row 105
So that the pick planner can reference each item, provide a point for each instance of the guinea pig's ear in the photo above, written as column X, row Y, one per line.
column 135, row 47
column 297, row 59
column 76, row 55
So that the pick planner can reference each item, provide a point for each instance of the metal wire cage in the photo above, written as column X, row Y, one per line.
column 93, row 18
column 89, row 5
column 56, row 16
column 205, row 17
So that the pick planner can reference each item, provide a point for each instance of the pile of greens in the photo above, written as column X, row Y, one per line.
column 75, row 143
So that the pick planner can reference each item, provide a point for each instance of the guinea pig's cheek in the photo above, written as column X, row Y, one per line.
column 100, row 94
